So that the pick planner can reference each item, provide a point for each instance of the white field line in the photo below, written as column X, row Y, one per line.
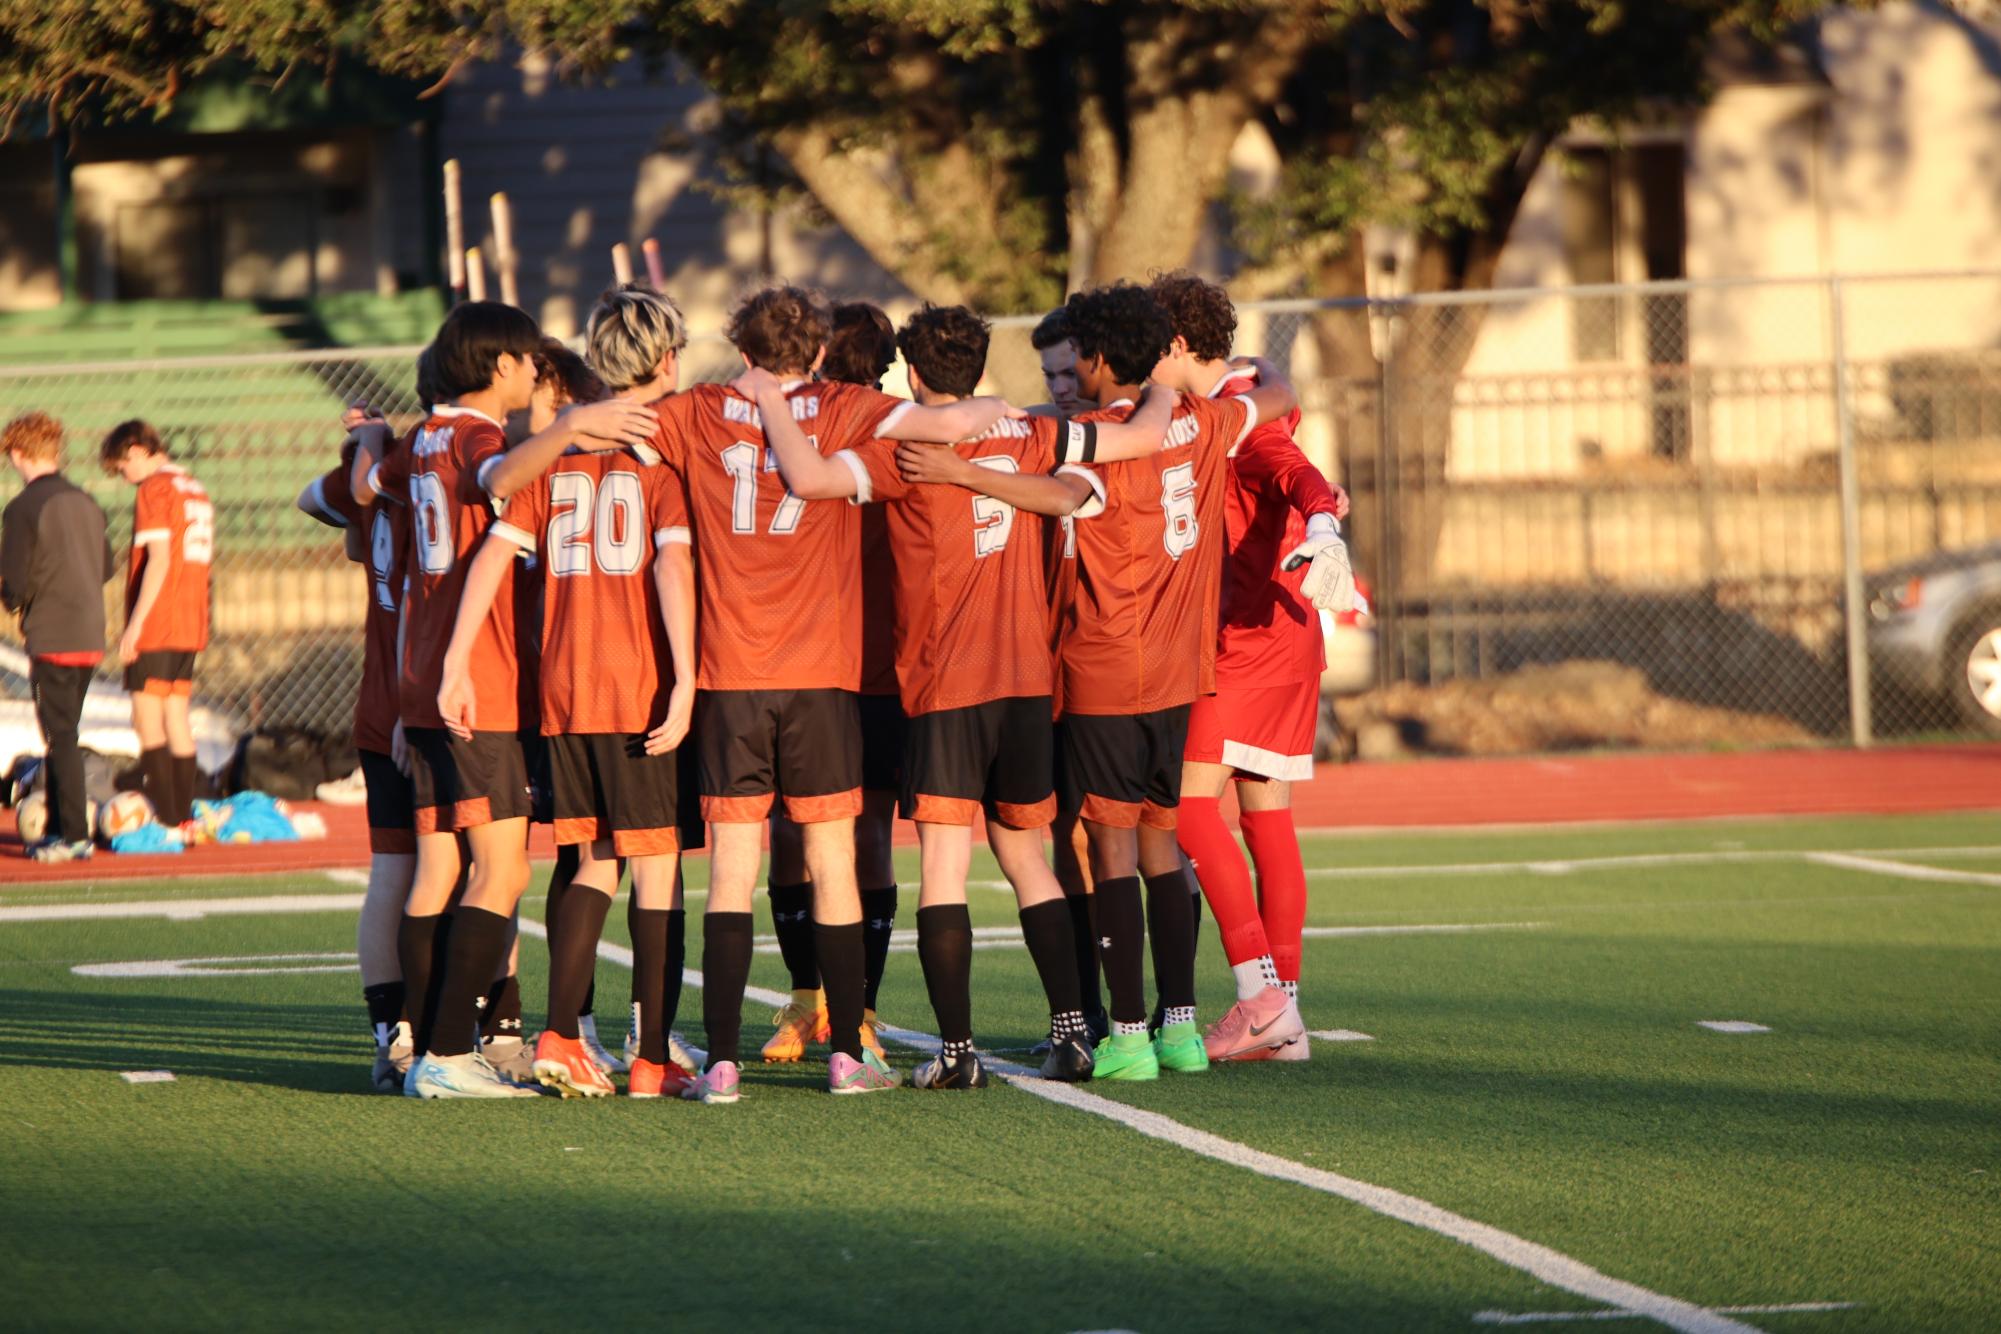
column 1540, row 1262
column 1565, row 1317
column 1848, row 861
column 186, row 910
column 1634, row 861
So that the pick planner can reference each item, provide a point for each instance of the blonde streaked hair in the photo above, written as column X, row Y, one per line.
column 631, row 328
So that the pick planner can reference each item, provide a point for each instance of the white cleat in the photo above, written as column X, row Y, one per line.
column 511, row 1058
column 393, row 1061
column 467, row 1076
column 587, row 1033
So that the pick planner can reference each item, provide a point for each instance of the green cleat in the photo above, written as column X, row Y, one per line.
column 1127, row 1056
column 1179, row 1048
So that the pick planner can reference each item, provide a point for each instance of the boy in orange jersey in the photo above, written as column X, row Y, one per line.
column 1138, row 648
column 780, row 655
column 617, row 690
column 453, row 472
column 972, row 625
column 166, row 609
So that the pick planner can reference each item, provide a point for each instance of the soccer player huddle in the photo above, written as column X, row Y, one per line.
column 660, row 618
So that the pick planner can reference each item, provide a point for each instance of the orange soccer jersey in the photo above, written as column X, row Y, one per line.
column 596, row 520
column 1140, row 634
column 172, row 507
column 971, row 611
column 442, row 476
column 384, row 528
column 778, row 577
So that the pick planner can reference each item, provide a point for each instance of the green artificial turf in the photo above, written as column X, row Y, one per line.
column 1547, row 1078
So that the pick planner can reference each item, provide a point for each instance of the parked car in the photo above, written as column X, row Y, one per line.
column 107, row 721
column 1935, row 630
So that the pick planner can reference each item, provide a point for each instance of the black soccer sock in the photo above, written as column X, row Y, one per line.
column 478, row 944
column 649, row 979
column 1195, row 919
column 792, row 919
column 677, row 966
column 842, row 973
column 417, row 940
column 726, row 939
column 1046, row 927
column 573, row 953
column 184, row 786
column 568, row 858
column 1084, row 930
column 878, row 924
column 945, row 948
column 156, row 780
column 1171, row 920
column 385, row 1009
column 500, row 1010
column 1121, row 946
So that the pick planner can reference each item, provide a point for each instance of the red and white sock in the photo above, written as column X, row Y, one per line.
column 1226, row 884
column 1274, row 845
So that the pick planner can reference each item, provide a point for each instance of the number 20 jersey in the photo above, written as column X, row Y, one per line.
column 1140, row 632
column 778, row 578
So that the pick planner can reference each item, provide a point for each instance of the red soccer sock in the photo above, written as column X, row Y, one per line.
column 1274, row 845
column 1225, row 880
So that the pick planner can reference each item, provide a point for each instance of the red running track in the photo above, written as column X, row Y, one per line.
column 1907, row 780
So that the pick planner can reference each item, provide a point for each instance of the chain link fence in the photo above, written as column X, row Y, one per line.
column 1647, row 476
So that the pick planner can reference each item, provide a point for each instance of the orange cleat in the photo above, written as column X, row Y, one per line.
column 648, row 1080
column 565, row 1065
column 801, row 1020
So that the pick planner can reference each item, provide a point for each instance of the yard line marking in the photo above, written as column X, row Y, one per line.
column 1538, row 1261
column 349, row 875
column 293, row 963
column 1641, row 861
column 1902, row 870
column 1556, row 1317
column 186, row 909
column 1731, row 1026
column 1338, row 1035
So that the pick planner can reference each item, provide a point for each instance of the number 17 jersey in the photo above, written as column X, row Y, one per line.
column 778, row 578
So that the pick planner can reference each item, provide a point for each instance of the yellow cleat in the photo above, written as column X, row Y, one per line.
column 872, row 1033
column 802, row 1019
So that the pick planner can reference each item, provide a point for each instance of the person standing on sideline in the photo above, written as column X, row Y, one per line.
column 54, row 561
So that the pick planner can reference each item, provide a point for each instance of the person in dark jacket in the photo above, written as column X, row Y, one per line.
column 54, row 561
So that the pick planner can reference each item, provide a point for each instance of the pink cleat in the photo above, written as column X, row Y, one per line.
column 1255, row 1029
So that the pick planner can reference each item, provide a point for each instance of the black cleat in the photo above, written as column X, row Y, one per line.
column 1100, row 1024
column 1069, row 1061
column 941, row 1072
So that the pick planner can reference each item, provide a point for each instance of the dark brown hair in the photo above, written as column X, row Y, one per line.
column 781, row 328
column 125, row 435
column 1054, row 329
column 473, row 338
column 556, row 364
column 1201, row 312
column 947, row 347
column 861, row 346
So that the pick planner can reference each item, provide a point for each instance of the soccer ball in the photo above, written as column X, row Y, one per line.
column 124, row 813
column 32, row 817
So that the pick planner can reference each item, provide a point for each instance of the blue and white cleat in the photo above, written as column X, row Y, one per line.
column 467, row 1076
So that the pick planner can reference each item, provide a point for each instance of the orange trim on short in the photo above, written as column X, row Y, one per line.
column 468, row 814
column 645, row 842
column 944, row 810
column 736, row 810
column 1159, row 817
column 1105, row 811
column 577, row 831
column 819, row 810
column 424, row 820
column 181, row 687
column 392, row 840
column 1038, row 816
column 159, row 689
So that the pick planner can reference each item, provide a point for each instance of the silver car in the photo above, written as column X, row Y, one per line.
column 1935, row 630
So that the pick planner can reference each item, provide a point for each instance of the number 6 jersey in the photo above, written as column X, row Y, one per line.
column 972, row 617
column 597, row 520
column 1140, row 632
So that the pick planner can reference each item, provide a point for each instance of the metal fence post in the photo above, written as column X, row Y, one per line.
column 1855, row 607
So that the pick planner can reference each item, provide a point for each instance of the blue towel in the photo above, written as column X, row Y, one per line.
column 148, row 837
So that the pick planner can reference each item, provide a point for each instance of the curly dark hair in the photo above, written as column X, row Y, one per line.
column 1054, row 329
column 556, row 364
column 861, row 346
column 947, row 347
column 1123, row 324
column 1201, row 312
column 126, row 435
column 781, row 328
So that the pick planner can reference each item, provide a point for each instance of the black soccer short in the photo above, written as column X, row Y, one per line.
column 607, row 787
column 162, row 671
column 802, row 747
column 1123, row 769
column 392, row 805
column 997, row 757
column 461, row 785
column 885, row 732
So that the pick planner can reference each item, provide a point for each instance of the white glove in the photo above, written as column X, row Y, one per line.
column 1330, row 581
